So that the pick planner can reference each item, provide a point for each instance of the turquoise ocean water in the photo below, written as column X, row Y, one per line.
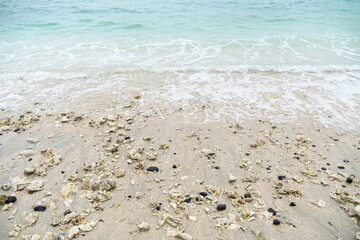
column 111, row 36
column 270, row 55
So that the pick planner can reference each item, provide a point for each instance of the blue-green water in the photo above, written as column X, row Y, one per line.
column 116, row 36
column 269, row 58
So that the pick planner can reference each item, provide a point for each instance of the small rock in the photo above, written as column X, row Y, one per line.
column 73, row 232
column 35, row 237
column 247, row 195
column 276, row 222
column 35, row 186
column 31, row 219
column 292, row 204
column 204, row 194
column 152, row 169
column 144, row 226
column 232, row 178
column 270, row 210
column 221, row 207
column 32, row 140
column 67, row 212
column 184, row 236
column 3, row 199
column 39, row 208
column 357, row 210
column 349, row 180
column 10, row 199
column 28, row 171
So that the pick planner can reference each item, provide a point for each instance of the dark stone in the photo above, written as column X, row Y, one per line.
column 349, row 180
column 328, row 164
column 247, row 154
column 221, row 207
column 204, row 194
column 129, row 196
column 313, row 145
column 67, row 212
column 30, row 159
column 22, row 116
column 341, row 167
column 127, row 138
column 270, row 210
column 217, row 167
column 174, row 166
column 247, row 195
column 187, row 200
column 152, row 169
column 17, row 130
column 197, row 198
column 37, row 103
column 62, row 172
column 39, row 208
column 346, row 161
column 292, row 204
column 268, row 168
column 323, row 168
column 157, row 208
column 211, row 154
column 10, row 199
column 1, row 133
column 281, row 178
column 276, row 222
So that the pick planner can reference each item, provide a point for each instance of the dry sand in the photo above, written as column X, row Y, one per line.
column 95, row 164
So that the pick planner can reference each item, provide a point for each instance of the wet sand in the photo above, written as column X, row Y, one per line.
column 278, row 180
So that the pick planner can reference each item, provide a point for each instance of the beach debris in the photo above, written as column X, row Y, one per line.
column 31, row 219
column 35, row 186
column 143, row 226
column 73, row 232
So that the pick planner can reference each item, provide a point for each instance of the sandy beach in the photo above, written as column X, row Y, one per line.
column 141, row 172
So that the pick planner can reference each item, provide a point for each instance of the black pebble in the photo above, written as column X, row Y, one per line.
column 341, row 167
column 292, row 204
column 313, row 145
column 67, row 212
column 1, row 133
column 21, row 116
column 63, row 172
column 217, row 167
column 323, row 168
column 129, row 196
column 187, row 200
column 211, row 154
column 174, row 166
column 247, row 195
column 270, row 210
column 204, row 194
column 349, row 180
column 281, row 177
column 127, row 138
column 197, row 198
column 328, row 164
column 247, row 154
column 10, row 199
column 153, row 169
column 221, row 207
column 39, row 208
column 268, row 168
column 30, row 159
column 276, row 222
column 346, row 161
column 157, row 208
column 17, row 130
